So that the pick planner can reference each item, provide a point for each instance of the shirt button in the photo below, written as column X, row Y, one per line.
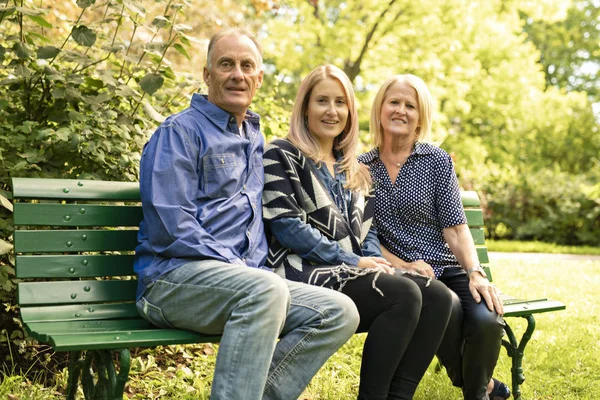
column 244, row 187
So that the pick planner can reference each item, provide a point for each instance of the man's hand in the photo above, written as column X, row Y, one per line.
column 378, row 263
column 481, row 287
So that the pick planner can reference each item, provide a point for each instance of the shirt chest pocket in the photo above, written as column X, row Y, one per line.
column 222, row 174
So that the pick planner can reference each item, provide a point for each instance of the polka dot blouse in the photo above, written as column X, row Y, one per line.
column 412, row 212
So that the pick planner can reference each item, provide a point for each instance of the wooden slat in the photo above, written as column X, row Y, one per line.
column 72, row 292
column 128, row 339
column 478, row 236
column 74, row 189
column 470, row 199
column 532, row 307
column 78, row 312
column 73, row 266
column 482, row 254
column 40, row 214
column 74, row 327
column 474, row 217
column 74, row 240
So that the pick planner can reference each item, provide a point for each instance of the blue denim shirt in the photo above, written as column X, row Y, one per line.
column 201, row 187
column 308, row 242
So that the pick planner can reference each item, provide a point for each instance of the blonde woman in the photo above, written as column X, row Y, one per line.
column 422, row 228
column 318, row 212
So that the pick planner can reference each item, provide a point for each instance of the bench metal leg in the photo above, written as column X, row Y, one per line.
column 99, row 378
column 515, row 351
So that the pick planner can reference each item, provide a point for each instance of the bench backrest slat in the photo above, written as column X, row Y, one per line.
column 78, row 312
column 57, row 241
column 74, row 189
column 36, row 214
column 72, row 292
column 73, row 266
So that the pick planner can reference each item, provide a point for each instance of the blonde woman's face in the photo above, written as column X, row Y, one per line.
column 400, row 111
column 327, row 110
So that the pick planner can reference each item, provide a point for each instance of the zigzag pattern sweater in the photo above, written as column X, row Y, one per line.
column 293, row 190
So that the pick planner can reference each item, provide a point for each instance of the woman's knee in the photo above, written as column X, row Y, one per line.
column 480, row 321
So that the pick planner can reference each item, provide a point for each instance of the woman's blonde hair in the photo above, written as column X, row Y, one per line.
column 425, row 107
column 357, row 177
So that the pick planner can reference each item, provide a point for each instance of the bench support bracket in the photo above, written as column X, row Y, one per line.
column 99, row 377
column 515, row 351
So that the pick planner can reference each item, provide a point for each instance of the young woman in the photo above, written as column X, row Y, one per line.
column 319, row 216
column 423, row 228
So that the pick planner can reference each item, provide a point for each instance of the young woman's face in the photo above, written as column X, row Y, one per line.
column 327, row 110
column 400, row 111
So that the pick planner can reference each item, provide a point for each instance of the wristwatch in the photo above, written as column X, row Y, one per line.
column 479, row 269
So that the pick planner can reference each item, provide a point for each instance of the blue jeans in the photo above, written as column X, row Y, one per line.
column 251, row 309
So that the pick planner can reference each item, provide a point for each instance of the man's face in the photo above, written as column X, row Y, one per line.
column 235, row 74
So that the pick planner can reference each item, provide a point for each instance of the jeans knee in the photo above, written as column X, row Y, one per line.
column 343, row 313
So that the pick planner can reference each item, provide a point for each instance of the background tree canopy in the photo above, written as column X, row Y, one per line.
column 83, row 83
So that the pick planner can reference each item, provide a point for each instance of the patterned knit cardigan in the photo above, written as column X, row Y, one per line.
column 293, row 190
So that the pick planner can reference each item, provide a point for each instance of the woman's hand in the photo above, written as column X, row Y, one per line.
column 420, row 267
column 481, row 287
column 378, row 263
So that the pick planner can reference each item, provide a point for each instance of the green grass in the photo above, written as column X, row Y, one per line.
column 539, row 247
column 561, row 361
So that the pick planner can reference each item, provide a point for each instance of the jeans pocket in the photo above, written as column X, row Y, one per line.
column 152, row 313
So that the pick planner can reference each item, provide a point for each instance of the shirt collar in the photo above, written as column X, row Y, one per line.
column 420, row 149
column 217, row 115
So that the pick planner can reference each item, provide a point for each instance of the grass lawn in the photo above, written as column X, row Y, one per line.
column 561, row 361
column 539, row 247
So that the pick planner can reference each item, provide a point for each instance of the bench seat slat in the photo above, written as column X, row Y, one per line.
column 78, row 312
column 71, row 292
column 73, row 266
column 74, row 240
column 532, row 307
column 127, row 339
column 74, row 189
column 36, row 214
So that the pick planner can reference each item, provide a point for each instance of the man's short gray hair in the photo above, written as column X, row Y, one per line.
column 235, row 32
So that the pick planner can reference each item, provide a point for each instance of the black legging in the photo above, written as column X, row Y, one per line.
column 405, row 327
column 472, row 342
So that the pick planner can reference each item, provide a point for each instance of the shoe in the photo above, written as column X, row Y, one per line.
column 500, row 391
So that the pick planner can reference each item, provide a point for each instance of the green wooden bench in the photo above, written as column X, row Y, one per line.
column 513, row 307
column 74, row 243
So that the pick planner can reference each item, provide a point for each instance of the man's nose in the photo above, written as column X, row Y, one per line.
column 237, row 72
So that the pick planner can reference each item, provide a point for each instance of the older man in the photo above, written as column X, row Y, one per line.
column 202, row 242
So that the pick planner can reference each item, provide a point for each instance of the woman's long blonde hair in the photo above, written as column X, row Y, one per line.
column 357, row 177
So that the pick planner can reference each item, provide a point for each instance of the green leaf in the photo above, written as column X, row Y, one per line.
column 47, row 52
column 85, row 3
column 40, row 21
column 181, row 50
column 160, row 21
column 182, row 28
column 151, row 83
column 21, row 50
column 28, row 11
column 6, row 203
column 84, row 35
column 7, row 10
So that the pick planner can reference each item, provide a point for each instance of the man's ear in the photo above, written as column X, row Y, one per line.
column 260, row 79
column 206, row 74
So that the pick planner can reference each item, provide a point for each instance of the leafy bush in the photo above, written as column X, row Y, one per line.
column 78, row 99
column 548, row 206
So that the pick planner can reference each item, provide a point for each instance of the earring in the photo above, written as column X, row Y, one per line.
column 306, row 121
